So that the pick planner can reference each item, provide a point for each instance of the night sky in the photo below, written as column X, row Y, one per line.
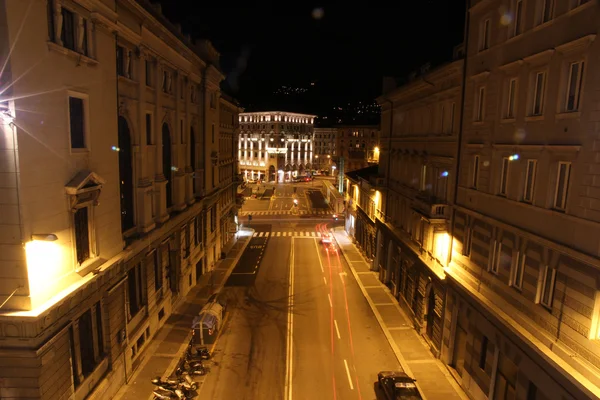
column 343, row 50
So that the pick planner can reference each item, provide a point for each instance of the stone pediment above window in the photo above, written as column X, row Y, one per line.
column 84, row 189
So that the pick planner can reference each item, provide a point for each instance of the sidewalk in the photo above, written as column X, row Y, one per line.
column 168, row 345
column 433, row 379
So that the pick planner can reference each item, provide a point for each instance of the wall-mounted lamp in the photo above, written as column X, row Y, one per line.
column 44, row 237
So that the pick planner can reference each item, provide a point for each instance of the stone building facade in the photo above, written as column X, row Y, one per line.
column 516, row 288
column 116, row 178
column 523, row 307
column 358, row 145
column 420, row 125
column 325, row 148
column 275, row 146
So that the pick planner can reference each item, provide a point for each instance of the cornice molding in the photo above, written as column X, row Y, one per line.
column 480, row 76
column 576, row 46
column 542, row 57
column 511, row 66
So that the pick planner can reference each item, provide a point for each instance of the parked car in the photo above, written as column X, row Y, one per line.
column 396, row 385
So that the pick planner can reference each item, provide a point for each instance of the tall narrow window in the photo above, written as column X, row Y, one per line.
column 135, row 296
column 125, row 175
column 148, row 64
column 77, row 122
column 547, row 280
column 158, row 271
column 475, row 176
column 67, row 34
column 538, row 93
column 82, row 234
column 466, row 251
column 452, row 110
column 562, row 185
column 167, row 167
column 84, row 40
column 574, row 86
column 545, row 11
column 480, row 104
column 483, row 353
column 192, row 151
column 86, row 343
column 485, row 35
column 504, row 177
column 494, row 259
column 120, row 61
column 423, row 181
column 510, row 105
column 212, row 132
column 529, row 180
column 50, row 17
column 518, row 21
column 516, row 279
column 149, row 129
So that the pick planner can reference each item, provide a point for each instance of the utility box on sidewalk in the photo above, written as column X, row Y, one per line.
column 206, row 325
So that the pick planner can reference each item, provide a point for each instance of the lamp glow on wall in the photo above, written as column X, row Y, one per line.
column 44, row 261
column 441, row 246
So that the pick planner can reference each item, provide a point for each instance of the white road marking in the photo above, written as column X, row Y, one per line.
column 337, row 330
column 348, row 373
column 267, row 234
column 330, row 303
column 290, row 330
column 261, row 234
column 255, row 234
column 325, row 280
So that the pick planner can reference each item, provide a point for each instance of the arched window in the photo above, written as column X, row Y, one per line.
column 193, row 158
column 125, row 175
column 166, row 162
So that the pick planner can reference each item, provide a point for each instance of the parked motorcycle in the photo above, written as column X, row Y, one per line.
column 190, row 367
column 201, row 353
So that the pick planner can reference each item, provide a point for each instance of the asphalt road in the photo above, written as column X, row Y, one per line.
column 301, row 329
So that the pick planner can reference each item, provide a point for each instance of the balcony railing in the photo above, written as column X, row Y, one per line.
column 431, row 206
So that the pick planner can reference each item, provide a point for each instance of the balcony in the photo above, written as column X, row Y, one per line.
column 431, row 207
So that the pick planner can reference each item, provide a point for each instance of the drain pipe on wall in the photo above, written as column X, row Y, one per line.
column 460, row 131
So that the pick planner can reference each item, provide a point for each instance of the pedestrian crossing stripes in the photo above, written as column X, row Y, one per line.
column 284, row 212
column 287, row 234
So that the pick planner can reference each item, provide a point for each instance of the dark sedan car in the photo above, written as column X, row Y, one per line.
column 396, row 385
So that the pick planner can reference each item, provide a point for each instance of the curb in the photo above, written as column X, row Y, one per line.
column 382, row 324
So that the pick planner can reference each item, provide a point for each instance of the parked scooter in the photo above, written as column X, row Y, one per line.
column 185, row 382
column 190, row 367
column 162, row 393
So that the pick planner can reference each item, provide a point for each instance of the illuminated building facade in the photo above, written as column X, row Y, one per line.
column 325, row 146
column 502, row 277
column 420, row 125
column 116, row 178
column 523, row 303
column 275, row 146
column 359, row 145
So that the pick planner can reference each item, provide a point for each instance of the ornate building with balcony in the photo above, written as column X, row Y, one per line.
column 115, row 179
column 275, row 146
column 420, row 124
column 523, row 301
